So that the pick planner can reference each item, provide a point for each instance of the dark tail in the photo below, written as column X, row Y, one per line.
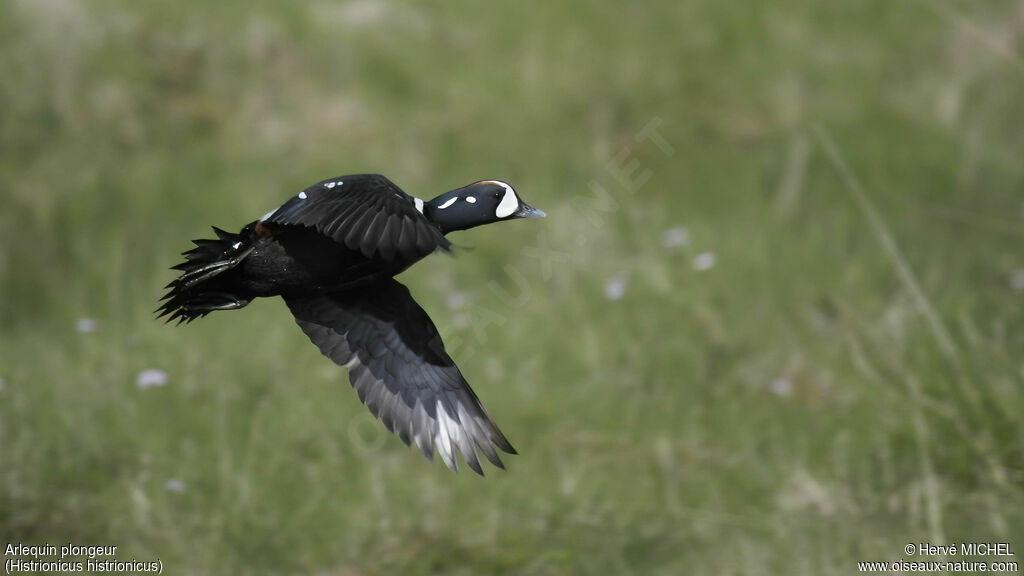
column 197, row 292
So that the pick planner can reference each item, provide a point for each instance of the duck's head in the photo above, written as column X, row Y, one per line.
column 479, row 203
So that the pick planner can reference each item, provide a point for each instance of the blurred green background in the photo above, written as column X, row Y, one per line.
column 794, row 343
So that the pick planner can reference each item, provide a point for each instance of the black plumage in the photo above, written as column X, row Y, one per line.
column 398, row 366
column 367, row 213
column 331, row 252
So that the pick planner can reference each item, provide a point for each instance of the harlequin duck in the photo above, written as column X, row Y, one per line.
column 331, row 252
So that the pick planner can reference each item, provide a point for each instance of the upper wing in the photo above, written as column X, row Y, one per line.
column 398, row 365
column 366, row 213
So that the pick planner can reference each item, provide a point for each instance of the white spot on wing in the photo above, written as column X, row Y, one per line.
column 449, row 202
column 419, row 204
column 302, row 195
column 330, row 184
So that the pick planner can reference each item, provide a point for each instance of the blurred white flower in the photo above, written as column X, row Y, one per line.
column 674, row 237
column 87, row 325
column 1017, row 280
column 615, row 288
column 782, row 387
column 803, row 492
column 370, row 14
column 174, row 485
column 704, row 261
column 150, row 378
column 365, row 12
column 456, row 300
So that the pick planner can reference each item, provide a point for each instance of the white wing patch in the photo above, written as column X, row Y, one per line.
column 509, row 202
column 419, row 204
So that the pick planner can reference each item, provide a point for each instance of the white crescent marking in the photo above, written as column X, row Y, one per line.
column 449, row 202
column 509, row 202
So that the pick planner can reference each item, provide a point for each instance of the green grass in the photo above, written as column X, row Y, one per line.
column 791, row 410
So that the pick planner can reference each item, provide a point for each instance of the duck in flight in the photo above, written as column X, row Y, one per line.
column 331, row 252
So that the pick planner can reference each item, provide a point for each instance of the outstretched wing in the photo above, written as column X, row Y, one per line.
column 397, row 363
column 366, row 213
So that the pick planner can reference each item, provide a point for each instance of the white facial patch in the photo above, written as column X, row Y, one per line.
column 509, row 202
column 419, row 204
column 448, row 203
column 471, row 199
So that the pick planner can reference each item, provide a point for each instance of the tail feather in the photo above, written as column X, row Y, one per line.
column 188, row 296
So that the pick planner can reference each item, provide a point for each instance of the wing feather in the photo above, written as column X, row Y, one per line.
column 366, row 213
column 399, row 369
